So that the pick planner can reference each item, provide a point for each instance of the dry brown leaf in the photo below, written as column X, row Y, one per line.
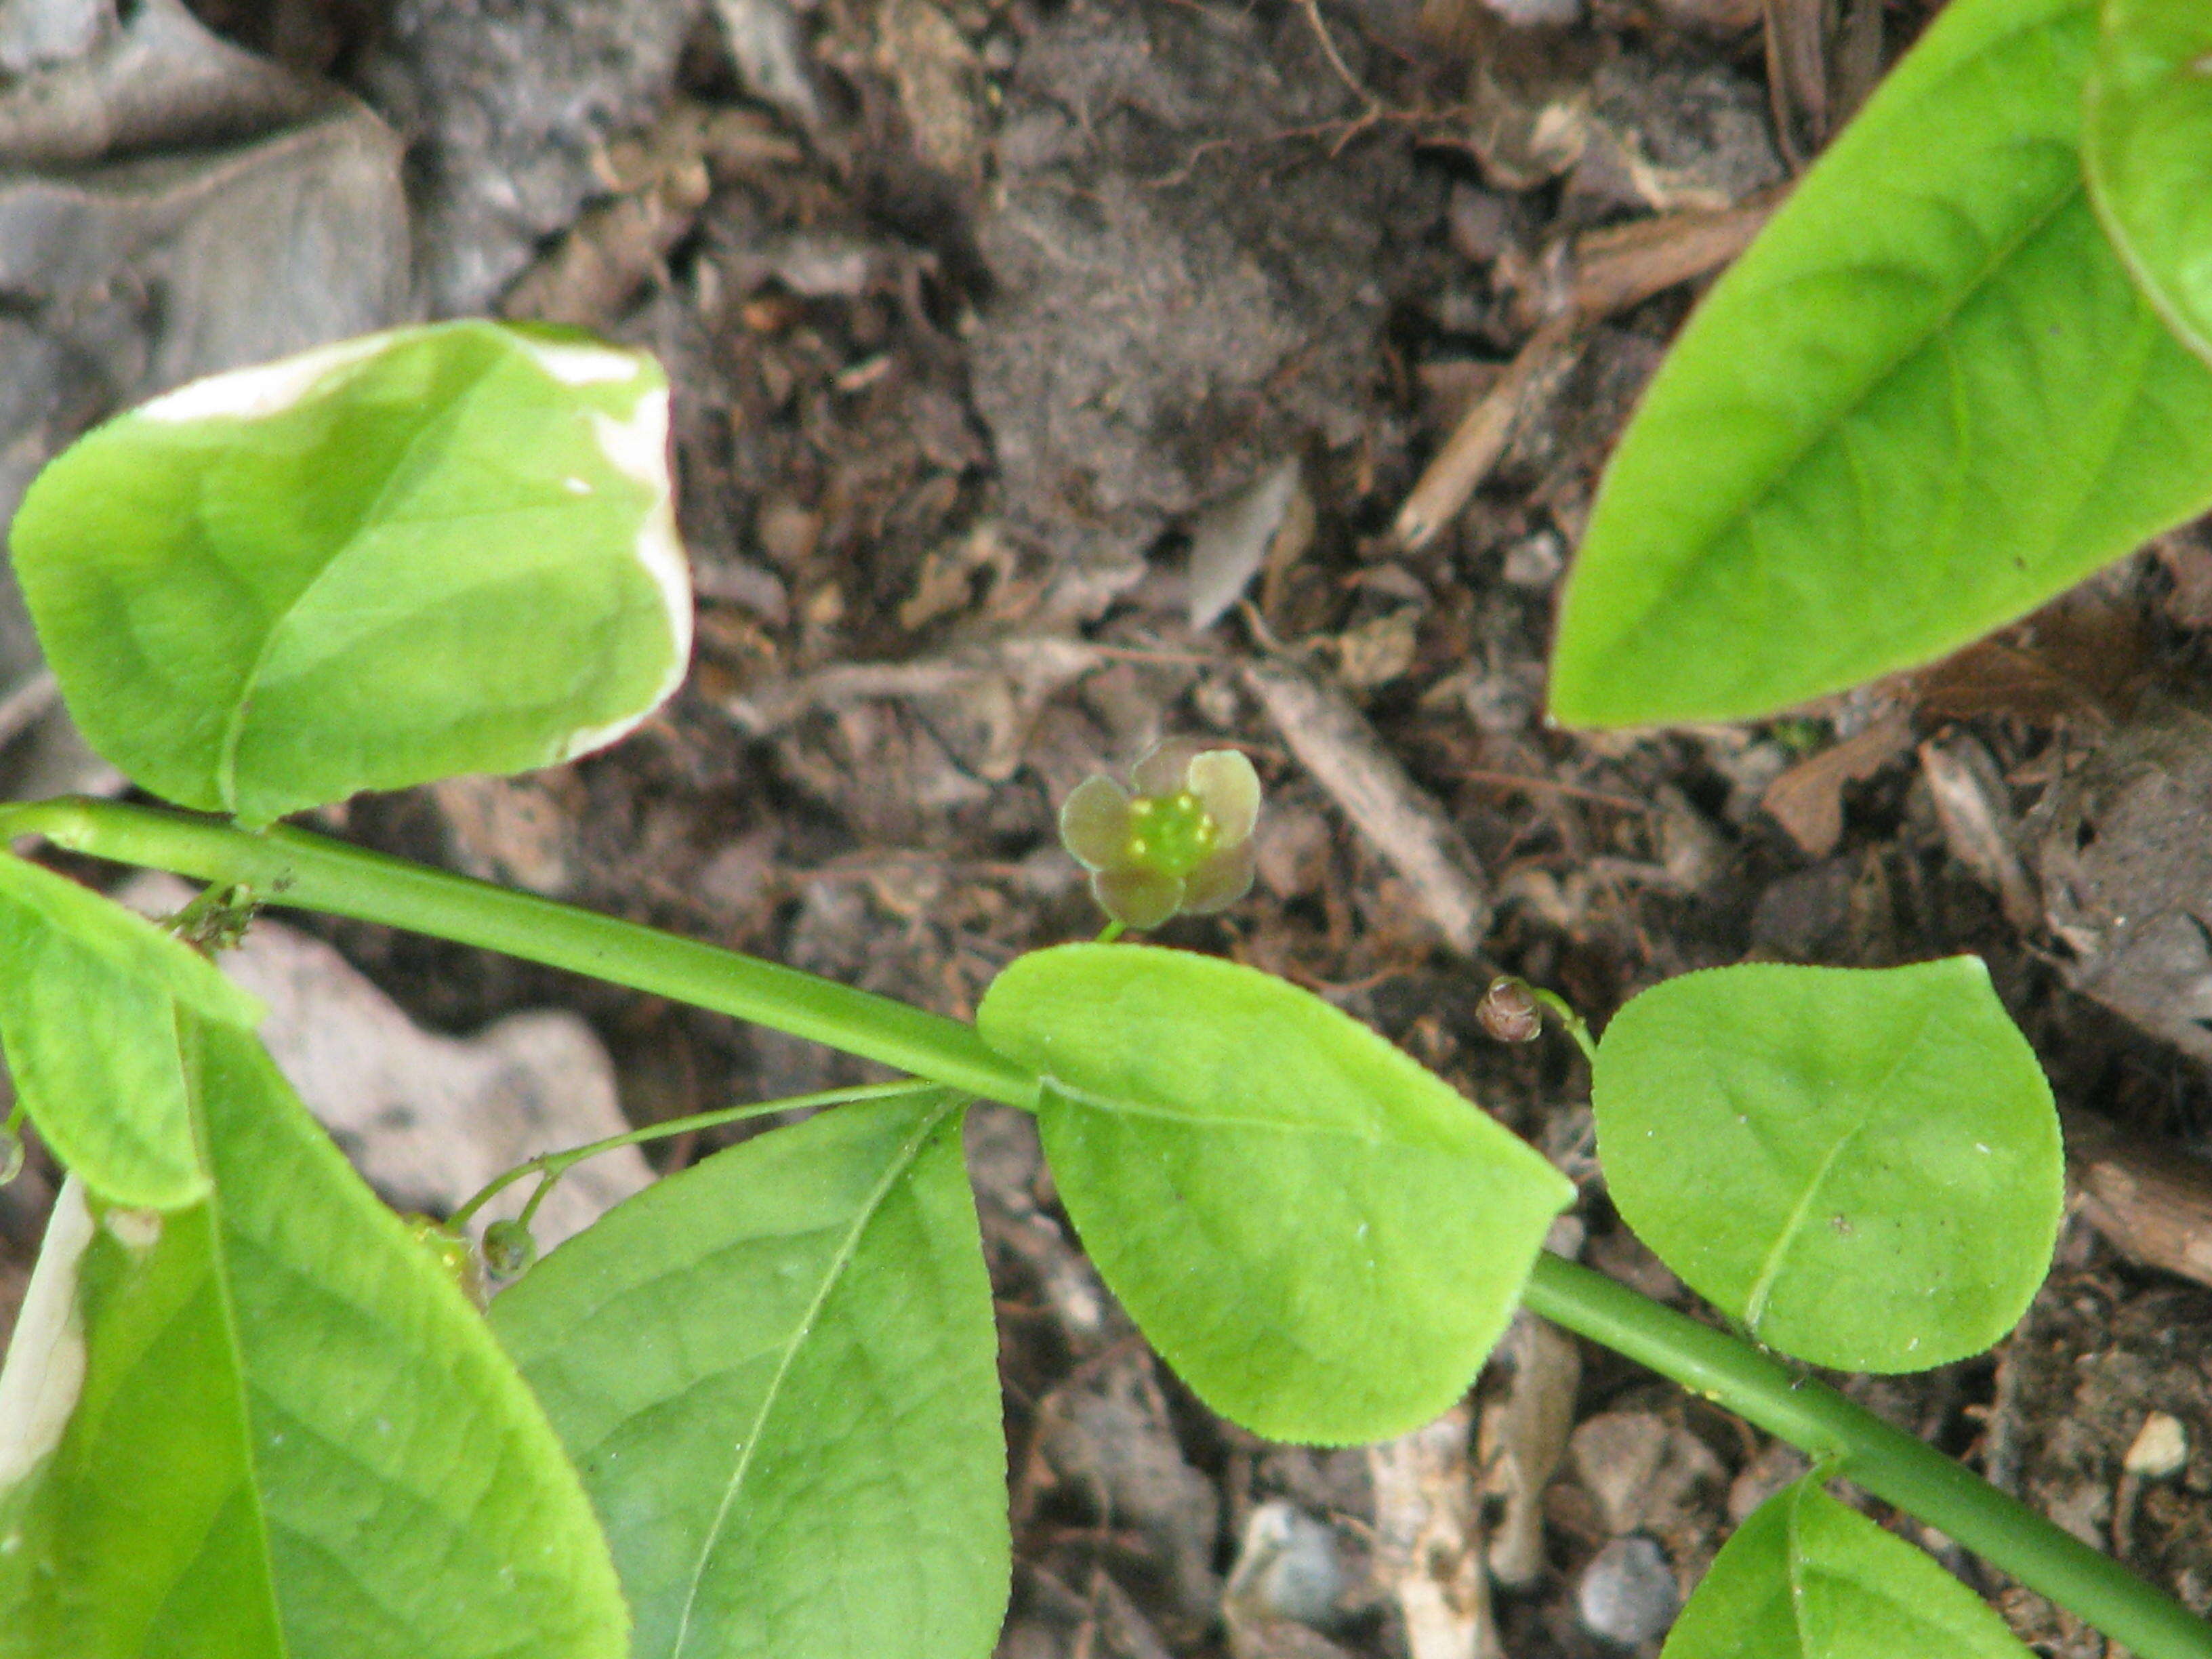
column 1808, row 800
column 2082, row 657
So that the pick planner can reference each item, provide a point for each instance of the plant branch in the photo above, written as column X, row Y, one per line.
column 294, row 868
column 1887, row 1463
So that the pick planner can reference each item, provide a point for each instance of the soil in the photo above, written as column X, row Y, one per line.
column 1050, row 375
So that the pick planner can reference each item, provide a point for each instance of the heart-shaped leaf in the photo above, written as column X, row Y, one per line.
column 419, row 554
column 1324, row 1239
column 1863, row 1166
column 778, row 1372
column 1807, row 1578
column 1925, row 400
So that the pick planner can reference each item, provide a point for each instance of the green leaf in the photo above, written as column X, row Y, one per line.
column 1861, row 1166
column 2147, row 146
column 778, row 1372
column 268, row 1426
column 1807, row 1578
column 418, row 553
column 128, row 1517
column 90, row 1001
column 1925, row 400
column 1323, row 1239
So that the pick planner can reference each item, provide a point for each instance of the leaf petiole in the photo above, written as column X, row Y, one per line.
column 550, row 1167
column 1569, row 1022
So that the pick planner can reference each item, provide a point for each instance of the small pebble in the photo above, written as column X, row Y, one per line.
column 1617, row 1455
column 1627, row 1594
column 1480, row 223
column 1289, row 1567
column 2161, row 1449
column 1538, row 14
column 1535, row 561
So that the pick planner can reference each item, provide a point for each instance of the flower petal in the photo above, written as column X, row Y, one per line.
column 1220, row 881
column 1137, row 898
column 1165, row 770
column 1228, row 788
column 1094, row 823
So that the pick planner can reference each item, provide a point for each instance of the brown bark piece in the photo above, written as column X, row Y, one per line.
column 1623, row 265
column 2151, row 1199
column 1797, row 77
column 1974, row 808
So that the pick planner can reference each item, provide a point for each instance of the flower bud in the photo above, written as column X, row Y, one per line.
column 508, row 1249
column 1509, row 1010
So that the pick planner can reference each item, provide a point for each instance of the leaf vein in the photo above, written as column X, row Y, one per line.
column 750, row 1446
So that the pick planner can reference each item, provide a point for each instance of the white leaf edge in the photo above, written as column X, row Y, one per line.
column 265, row 389
column 637, row 447
column 45, row 1371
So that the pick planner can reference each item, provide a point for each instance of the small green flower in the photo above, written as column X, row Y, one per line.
column 1183, row 844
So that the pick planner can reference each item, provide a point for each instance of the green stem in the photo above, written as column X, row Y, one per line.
column 553, row 1165
column 1887, row 1463
column 292, row 867
column 1569, row 1022
column 529, row 1211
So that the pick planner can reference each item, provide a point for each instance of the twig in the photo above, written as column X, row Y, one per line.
column 1359, row 89
column 1335, row 743
column 1514, row 780
column 1449, row 481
